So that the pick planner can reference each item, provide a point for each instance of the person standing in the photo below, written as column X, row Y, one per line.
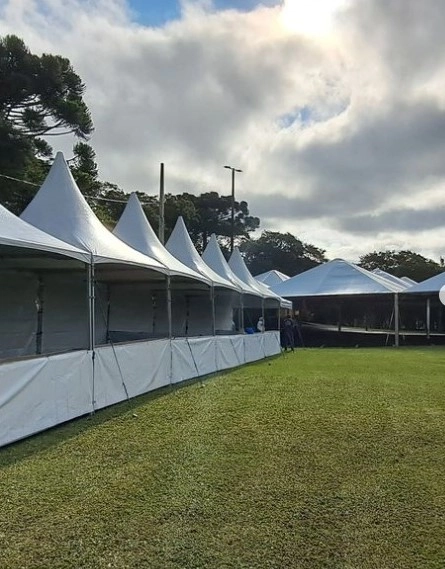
column 260, row 325
column 288, row 333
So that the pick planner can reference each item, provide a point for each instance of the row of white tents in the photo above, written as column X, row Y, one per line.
column 90, row 317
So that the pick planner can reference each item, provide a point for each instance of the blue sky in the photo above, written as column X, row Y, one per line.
column 158, row 12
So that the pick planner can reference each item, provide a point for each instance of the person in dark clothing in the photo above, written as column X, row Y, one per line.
column 288, row 334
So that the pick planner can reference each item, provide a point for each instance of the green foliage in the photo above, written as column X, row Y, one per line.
column 401, row 264
column 322, row 459
column 282, row 252
column 40, row 96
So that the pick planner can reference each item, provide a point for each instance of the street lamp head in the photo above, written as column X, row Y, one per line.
column 236, row 170
column 229, row 167
column 232, row 168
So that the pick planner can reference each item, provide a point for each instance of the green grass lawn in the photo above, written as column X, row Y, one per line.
column 324, row 458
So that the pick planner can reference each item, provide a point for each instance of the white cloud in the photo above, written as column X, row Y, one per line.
column 338, row 136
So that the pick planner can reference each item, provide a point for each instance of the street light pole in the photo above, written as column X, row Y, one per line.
column 232, row 235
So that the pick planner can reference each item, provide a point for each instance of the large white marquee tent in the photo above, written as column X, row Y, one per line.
column 69, row 280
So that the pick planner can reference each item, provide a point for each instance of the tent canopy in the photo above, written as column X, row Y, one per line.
column 431, row 285
column 391, row 278
column 337, row 277
column 214, row 258
column 14, row 232
column 181, row 246
column 238, row 266
column 60, row 209
column 134, row 229
column 271, row 278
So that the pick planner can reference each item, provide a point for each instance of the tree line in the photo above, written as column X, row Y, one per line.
column 42, row 97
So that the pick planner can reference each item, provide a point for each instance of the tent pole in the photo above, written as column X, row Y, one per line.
column 108, row 339
column 262, row 314
column 212, row 299
column 396, row 320
column 91, row 306
column 339, row 315
column 39, row 299
column 242, row 313
column 92, row 324
column 428, row 317
column 169, row 306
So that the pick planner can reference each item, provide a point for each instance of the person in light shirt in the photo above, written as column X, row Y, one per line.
column 260, row 325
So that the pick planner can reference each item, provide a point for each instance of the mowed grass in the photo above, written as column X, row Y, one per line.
column 324, row 458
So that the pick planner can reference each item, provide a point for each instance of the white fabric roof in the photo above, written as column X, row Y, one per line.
column 433, row 284
column 238, row 266
column 60, row 209
column 214, row 258
column 391, row 278
column 181, row 246
column 134, row 229
column 17, row 233
column 271, row 278
column 337, row 277
column 408, row 280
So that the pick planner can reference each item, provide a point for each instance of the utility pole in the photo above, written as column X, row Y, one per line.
column 232, row 217
column 161, row 205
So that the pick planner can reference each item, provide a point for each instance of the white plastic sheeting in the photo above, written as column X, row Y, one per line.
column 337, row 277
column 38, row 393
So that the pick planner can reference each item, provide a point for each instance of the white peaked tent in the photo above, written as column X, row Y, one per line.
column 60, row 209
column 14, row 232
column 53, row 287
column 336, row 278
column 392, row 278
column 219, row 312
column 238, row 266
column 214, row 258
column 271, row 301
column 249, row 298
column 134, row 229
column 181, row 246
column 27, row 255
column 408, row 280
column 272, row 278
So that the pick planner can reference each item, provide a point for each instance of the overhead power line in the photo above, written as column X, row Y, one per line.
column 94, row 198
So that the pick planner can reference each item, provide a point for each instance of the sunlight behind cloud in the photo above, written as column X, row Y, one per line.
column 310, row 17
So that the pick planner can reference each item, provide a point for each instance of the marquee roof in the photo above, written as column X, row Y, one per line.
column 134, row 229
column 335, row 278
column 15, row 232
column 181, row 246
column 214, row 258
column 60, row 209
